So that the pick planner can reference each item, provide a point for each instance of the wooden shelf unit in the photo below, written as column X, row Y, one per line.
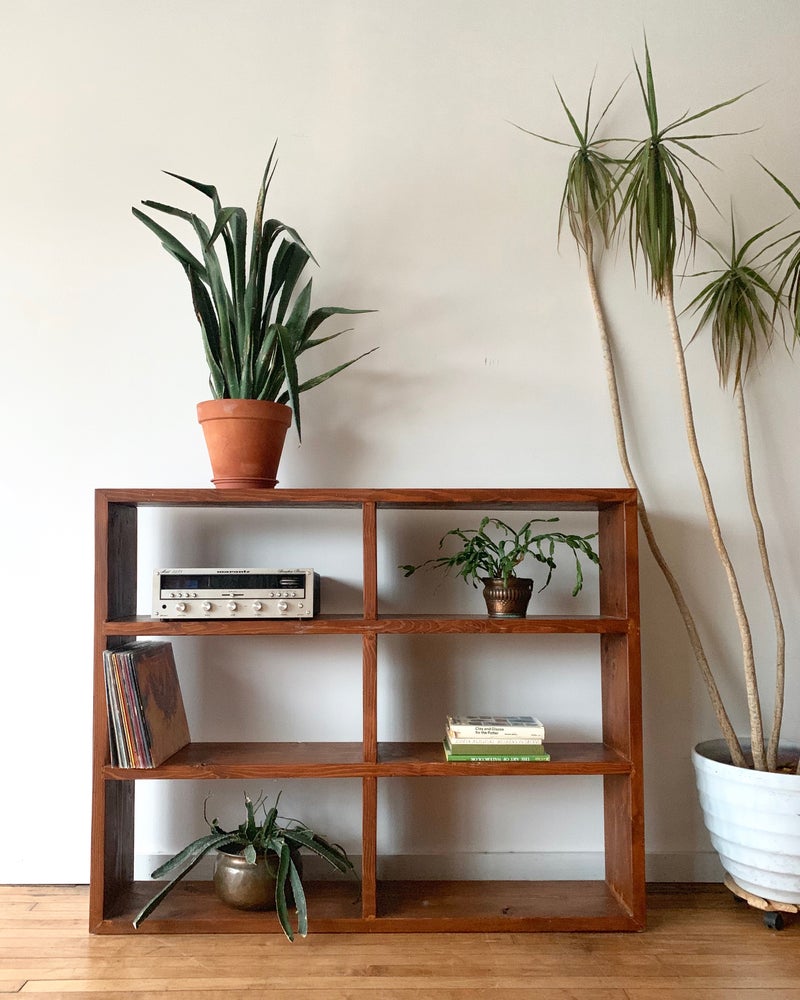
column 616, row 903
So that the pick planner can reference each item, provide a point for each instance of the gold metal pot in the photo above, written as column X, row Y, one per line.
column 245, row 886
column 507, row 600
column 250, row 887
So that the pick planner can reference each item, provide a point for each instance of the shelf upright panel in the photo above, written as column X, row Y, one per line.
column 369, row 699
column 112, row 802
column 621, row 698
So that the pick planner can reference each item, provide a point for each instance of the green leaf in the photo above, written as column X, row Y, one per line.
column 284, row 859
column 195, row 851
column 335, row 856
column 286, row 344
column 319, row 315
column 312, row 383
column 207, row 318
column 299, row 899
column 207, row 189
column 171, row 243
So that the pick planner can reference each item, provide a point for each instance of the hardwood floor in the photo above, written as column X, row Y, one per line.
column 700, row 945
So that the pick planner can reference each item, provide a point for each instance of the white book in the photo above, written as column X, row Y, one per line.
column 500, row 727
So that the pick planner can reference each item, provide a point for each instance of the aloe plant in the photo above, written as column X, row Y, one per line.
column 271, row 835
column 482, row 555
column 255, row 321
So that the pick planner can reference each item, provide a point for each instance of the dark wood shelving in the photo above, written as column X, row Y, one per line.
column 384, row 625
column 614, row 903
column 347, row 760
column 512, row 906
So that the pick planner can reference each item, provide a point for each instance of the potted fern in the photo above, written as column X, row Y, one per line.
column 257, row 866
column 491, row 553
column 256, row 322
column 639, row 192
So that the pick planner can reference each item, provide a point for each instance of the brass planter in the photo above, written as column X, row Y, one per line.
column 507, row 600
column 243, row 886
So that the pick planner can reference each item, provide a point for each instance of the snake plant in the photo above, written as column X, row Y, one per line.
column 255, row 323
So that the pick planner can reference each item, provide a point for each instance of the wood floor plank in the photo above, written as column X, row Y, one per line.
column 699, row 945
column 340, row 993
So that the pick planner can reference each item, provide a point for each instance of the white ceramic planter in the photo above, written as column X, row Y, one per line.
column 754, row 821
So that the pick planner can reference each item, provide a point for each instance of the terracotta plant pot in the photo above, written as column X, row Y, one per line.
column 245, row 439
column 507, row 600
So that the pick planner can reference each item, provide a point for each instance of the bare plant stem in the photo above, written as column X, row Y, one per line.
column 751, row 682
column 780, row 639
column 723, row 721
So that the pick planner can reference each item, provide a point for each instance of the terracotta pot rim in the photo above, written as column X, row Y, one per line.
column 216, row 409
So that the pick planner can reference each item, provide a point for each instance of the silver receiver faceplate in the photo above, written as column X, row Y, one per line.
column 235, row 593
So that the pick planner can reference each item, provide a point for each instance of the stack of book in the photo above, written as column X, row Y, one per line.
column 494, row 737
column 146, row 718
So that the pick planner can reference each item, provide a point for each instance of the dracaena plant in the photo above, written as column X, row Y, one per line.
column 256, row 320
column 263, row 832
column 649, row 194
column 498, row 551
column 741, row 305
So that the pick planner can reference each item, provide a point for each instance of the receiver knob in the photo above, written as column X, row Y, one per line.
column 180, row 606
column 207, row 605
column 283, row 606
column 231, row 605
column 257, row 605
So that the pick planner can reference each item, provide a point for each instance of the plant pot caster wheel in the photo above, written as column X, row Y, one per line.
column 774, row 913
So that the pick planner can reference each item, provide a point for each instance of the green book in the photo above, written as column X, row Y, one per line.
column 450, row 756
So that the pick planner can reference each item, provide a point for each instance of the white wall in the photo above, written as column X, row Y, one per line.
column 399, row 167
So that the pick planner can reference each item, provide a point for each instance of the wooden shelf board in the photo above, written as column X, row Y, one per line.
column 506, row 905
column 321, row 625
column 355, row 624
column 402, row 906
column 192, row 907
column 399, row 759
column 346, row 760
column 431, row 499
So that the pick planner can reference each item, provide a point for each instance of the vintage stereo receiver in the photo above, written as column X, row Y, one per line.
column 235, row 593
